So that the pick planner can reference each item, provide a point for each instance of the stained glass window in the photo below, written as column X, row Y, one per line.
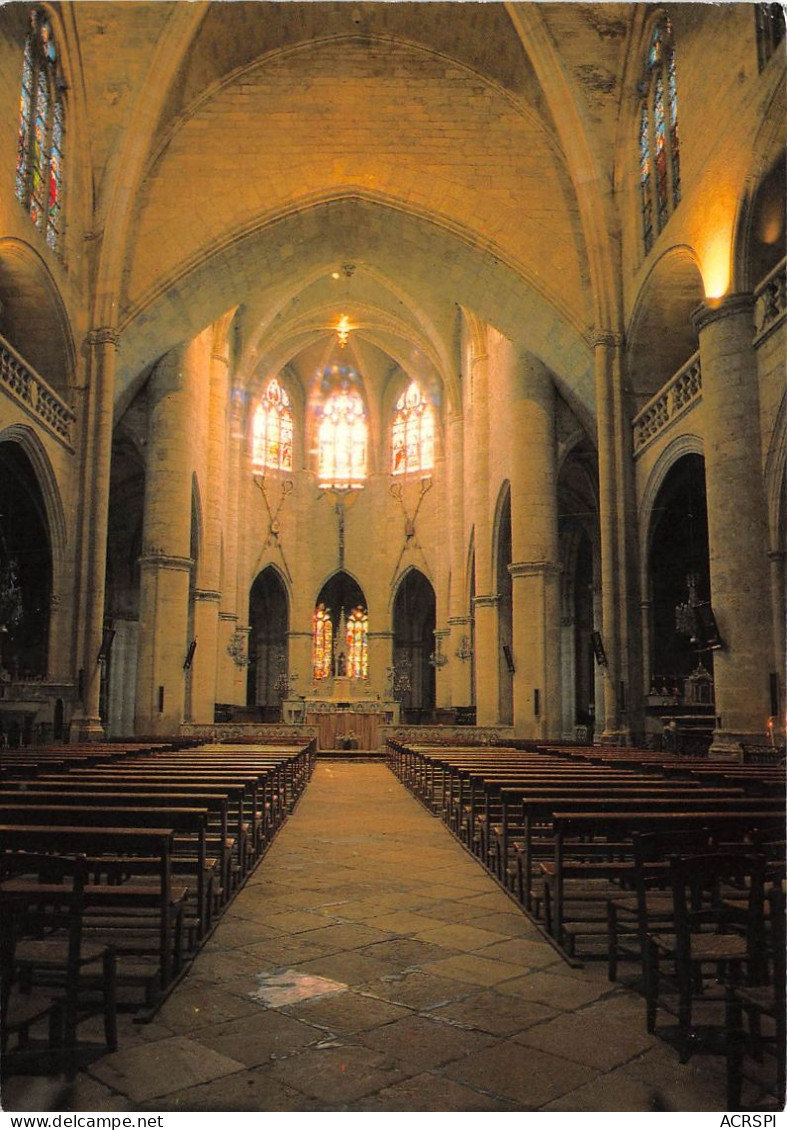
column 644, row 179
column 342, row 436
column 39, row 160
column 357, row 644
column 322, row 642
column 412, row 433
column 272, row 430
column 659, row 146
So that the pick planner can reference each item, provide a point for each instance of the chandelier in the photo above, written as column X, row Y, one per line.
column 343, row 328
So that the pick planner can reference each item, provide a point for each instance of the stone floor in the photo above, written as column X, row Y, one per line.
column 370, row 964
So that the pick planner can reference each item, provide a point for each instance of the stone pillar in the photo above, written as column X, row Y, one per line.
column 604, row 345
column 101, row 346
column 485, row 604
column 568, row 668
column 458, row 619
column 299, row 661
column 227, row 680
column 737, row 525
column 207, row 596
column 166, row 564
column 487, row 671
column 534, row 570
column 778, row 589
column 442, row 639
column 380, row 646
column 461, row 668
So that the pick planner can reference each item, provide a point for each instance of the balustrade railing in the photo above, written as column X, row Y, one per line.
column 770, row 301
column 23, row 384
column 670, row 402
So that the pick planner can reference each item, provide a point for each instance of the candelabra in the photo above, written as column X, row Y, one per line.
column 464, row 651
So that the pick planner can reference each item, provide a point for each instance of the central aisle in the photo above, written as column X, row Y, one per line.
column 371, row 964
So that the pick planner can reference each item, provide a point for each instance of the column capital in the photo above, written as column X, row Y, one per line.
column 486, row 600
column 715, row 309
column 380, row 635
column 223, row 357
column 534, row 569
column 207, row 594
column 229, row 617
column 155, row 559
column 441, row 633
column 609, row 338
column 459, row 621
column 102, row 335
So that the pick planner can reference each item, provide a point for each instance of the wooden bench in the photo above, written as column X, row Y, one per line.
column 57, row 839
column 726, row 820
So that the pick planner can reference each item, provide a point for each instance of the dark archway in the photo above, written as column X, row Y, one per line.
column 413, row 627
column 269, row 620
column 505, row 612
column 678, row 550
column 25, row 567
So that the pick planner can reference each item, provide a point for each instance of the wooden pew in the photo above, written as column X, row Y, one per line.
column 58, row 839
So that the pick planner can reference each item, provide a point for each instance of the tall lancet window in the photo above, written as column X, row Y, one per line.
column 342, row 433
column 322, row 642
column 412, row 433
column 659, row 143
column 357, row 648
column 39, row 158
column 272, row 430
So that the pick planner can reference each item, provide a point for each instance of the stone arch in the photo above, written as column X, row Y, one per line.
column 687, row 444
column 413, row 622
column 269, row 621
column 36, row 453
column 678, row 547
column 33, row 316
column 26, row 564
column 400, row 242
column 762, row 200
column 661, row 337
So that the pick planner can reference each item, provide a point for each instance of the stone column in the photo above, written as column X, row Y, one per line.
column 534, row 546
column 227, row 674
column 485, row 604
column 568, row 668
column 604, row 345
column 778, row 589
column 458, row 619
column 207, row 596
column 101, row 347
column 380, row 646
column 737, row 525
column 299, row 660
column 442, row 639
column 166, row 564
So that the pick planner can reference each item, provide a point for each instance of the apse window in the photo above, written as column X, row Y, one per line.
column 659, row 144
column 272, row 430
column 322, row 642
column 39, row 161
column 342, row 432
column 412, row 433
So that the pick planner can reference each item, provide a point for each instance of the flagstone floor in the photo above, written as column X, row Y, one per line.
column 370, row 964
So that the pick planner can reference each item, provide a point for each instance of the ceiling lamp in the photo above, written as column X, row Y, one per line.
column 343, row 327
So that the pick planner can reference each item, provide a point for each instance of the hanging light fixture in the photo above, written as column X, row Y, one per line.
column 343, row 328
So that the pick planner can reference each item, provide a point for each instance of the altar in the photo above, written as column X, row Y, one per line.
column 348, row 716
